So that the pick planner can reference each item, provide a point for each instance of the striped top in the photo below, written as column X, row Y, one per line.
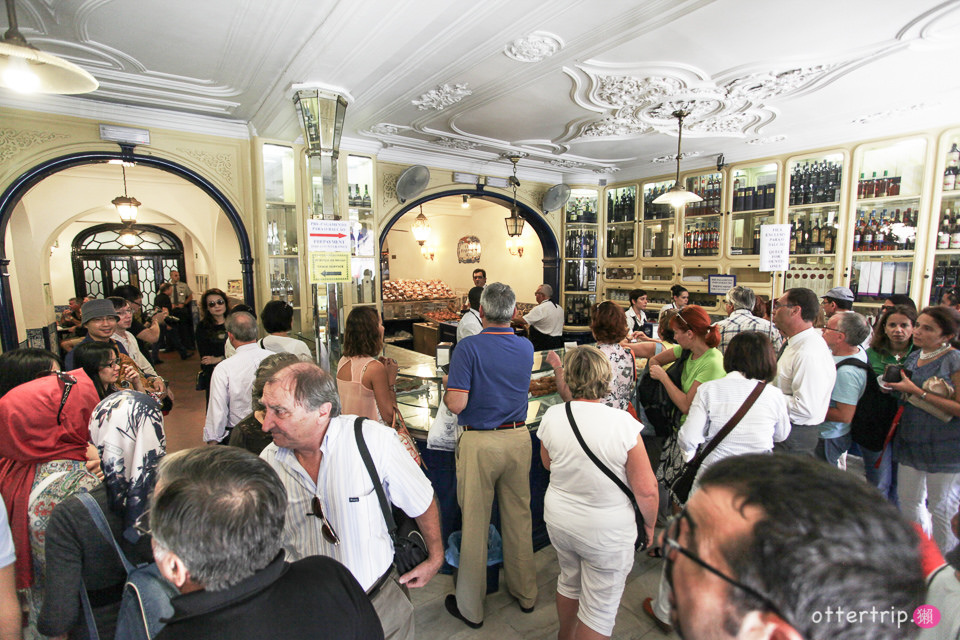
column 349, row 502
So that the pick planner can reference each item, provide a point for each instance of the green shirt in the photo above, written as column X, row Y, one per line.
column 707, row 367
column 879, row 361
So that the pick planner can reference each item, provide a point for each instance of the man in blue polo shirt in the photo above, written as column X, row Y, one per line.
column 487, row 389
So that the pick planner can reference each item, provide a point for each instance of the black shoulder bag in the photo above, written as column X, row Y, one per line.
column 409, row 547
column 641, row 541
column 681, row 486
column 656, row 402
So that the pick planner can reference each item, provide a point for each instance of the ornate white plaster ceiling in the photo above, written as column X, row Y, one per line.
column 584, row 90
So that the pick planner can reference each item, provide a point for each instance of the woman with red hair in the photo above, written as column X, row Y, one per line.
column 694, row 333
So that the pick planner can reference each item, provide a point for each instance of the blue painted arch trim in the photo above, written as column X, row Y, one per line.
column 26, row 181
column 548, row 241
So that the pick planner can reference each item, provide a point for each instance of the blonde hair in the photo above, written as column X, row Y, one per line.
column 587, row 373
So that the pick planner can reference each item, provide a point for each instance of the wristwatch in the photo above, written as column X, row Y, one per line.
column 923, row 396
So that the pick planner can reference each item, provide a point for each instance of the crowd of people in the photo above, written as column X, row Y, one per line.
column 282, row 534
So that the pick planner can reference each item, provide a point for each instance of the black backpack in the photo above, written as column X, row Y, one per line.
column 875, row 410
column 656, row 403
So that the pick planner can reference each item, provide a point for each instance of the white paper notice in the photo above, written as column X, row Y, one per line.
column 329, row 235
column 774, row 247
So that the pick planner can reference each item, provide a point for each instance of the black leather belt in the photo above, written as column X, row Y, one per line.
column 378, row 585
column 505, row 425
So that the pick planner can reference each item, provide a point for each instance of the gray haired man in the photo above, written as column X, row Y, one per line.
column 739, row 303
column 216, row 518
column 545, row 320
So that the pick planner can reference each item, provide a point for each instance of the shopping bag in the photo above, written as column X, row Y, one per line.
column 444, row 431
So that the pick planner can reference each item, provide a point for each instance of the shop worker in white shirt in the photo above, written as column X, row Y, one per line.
column 332, row 508
column 805, row 369
column 470, row 323
column 232, row 379
column 545, row 320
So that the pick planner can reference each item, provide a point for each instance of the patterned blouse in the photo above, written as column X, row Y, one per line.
column 624, row 375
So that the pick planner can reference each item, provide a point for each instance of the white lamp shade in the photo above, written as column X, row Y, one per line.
column 126, row 208
column 28, row 70
column 677, row 197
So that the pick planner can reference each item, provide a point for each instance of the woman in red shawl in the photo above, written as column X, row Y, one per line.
column 43, row 445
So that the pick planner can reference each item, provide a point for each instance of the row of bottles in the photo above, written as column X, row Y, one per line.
column 751, row 198
column 622, row 205
column 580, row 244
column 581, row 276
column 357, row 200
column 807, row 237
column 578, row 310
column 618, row 295
column 707, row 187
column 702, row 240
column 277, row 240
column 878, row 187
column 281, row 287
column 814, row 182
column 653, row 211
column 888, row 230
column 582, row 210
column 950, row 174
column 620, row 242
column 948, row 234
column 946, row 274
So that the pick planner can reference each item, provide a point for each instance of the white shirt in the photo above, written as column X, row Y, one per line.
column 580, row 498
column 285, row 344
column 547, row 318
column 469, row 325
column 632, row 315
column 349, row 501
column 129, row 341
column 715, row 403
column 230, row 390
column 805, row 374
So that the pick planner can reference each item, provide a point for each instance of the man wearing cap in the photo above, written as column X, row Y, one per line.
column 487, row 390
column 837, row 300
column 100, row 320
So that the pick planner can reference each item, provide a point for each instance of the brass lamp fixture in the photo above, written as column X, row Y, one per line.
column 514, row 222
column 127, row 206
column 26, row 69
column 678, row 196
column 421, row 230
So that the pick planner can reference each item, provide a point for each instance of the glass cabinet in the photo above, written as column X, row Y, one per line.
column 363, row 230
column 753, row 205
column 282, row 227
column 946, row 262
column 621, row 223
column 659, row 222
column 580, row 261
column 701, row 220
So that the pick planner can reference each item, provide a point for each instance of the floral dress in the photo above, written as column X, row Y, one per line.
column 624, row 375
column 54, row 482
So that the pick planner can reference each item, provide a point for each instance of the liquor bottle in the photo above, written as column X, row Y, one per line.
column 688, row 242
column 860, row 187
column 750, row 198
column 950, row 178
column 858, row 232
column 893, row 189
column 736, row 194
column 880, row 191
column 366, row 196
column 866, row 238
column 955, row 232
column 828, row 241
column 815, row 237
column 610, row 206
column 943, row 232
column 756, row 240
column 793, row 238
column 629, row 242
column 795, row 187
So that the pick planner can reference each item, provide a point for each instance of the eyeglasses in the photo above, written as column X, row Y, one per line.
column 142, row 524
column 111, row 363
column 68, row 382
column 670, row 542
column 214, row 303
column 832, row 329
column 325, row 527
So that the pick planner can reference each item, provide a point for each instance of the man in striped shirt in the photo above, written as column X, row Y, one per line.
column 332, row 508
column 739, row 303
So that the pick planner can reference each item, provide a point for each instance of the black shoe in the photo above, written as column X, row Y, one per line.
column 451, row 604
column 185, row 355
column 525, row 609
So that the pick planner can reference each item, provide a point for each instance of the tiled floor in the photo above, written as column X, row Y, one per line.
column 505, row 621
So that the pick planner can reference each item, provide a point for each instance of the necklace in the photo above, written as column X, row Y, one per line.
column 924, row 355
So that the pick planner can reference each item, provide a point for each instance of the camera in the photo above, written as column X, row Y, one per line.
column 893, row 373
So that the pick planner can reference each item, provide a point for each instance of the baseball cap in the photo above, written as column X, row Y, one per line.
column 93, row 309
column 839, row 293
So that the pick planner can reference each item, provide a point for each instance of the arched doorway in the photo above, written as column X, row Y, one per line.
column 548, row 241
column 101, row 261
column 21, row 185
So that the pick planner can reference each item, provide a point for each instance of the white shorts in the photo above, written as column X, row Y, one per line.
column 594, row 577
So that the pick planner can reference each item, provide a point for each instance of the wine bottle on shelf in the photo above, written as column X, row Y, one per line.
column 880, row 191
column 955, row 232
column 943, row 231
column 858, row 232
column 793, row 237
column 828, row 239
column 950, row 178
column 366, row 196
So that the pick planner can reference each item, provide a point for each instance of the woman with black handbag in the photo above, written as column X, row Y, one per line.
column 588, row 446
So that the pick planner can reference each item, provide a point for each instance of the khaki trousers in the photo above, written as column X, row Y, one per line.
column 395, row 611
column 487, row 462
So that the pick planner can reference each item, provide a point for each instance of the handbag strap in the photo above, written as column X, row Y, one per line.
column 377, row 485
column 731, row 423
column 593, row 458
column 100, row 520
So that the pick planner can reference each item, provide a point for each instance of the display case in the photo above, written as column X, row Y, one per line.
column 874, row 277
column 620, row 295
column 420, row 392
column 363, row 230
column 659, row 222
column 580, row 261
column 754, row 202
column 620, row 273
column 818, row 273
column 659, row 273
column 694, row 273
column 814, row 214
column 749, row 275
column 946, row 258
column 621, row 229
column 702, row 220
column 282, row 237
